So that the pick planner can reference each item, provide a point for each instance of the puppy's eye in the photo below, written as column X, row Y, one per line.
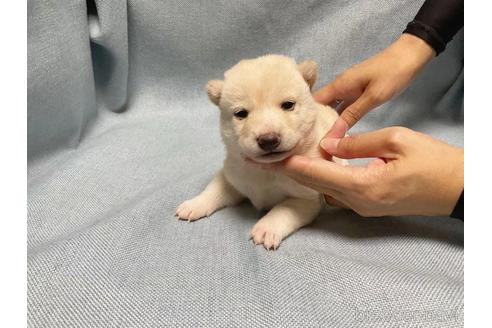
column 288, row 105
column 240, row 114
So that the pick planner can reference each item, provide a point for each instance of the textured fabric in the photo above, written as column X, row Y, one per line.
column 120, row 131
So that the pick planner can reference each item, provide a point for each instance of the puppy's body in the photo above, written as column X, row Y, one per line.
column 267, row 115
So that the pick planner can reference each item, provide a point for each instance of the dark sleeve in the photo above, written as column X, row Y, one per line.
column 437, row 22
column 459, row 208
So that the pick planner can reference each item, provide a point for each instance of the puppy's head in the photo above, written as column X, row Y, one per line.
column 267, row 110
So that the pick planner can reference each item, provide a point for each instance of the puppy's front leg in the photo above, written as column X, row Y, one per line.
column 282, row 220
column 218, row 194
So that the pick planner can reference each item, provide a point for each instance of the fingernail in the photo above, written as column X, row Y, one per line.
column 329, row 144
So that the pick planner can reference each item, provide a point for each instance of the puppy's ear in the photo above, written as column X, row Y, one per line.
column 309, row 71
column 214, row 90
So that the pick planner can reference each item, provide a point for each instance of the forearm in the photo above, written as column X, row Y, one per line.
column 414, row 52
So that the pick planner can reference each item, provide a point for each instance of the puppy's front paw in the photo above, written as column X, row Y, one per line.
column 266, row 233
column 193, row 209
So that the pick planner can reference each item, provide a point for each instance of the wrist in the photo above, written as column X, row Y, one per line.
column 416, row 53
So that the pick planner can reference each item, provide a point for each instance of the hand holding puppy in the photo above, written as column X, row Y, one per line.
column 413, row 174
column 375, row 81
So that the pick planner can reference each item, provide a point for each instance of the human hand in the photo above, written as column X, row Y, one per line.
column 413, row 174
column 375, row 80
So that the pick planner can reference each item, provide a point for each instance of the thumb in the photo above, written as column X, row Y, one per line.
column 380, row 143
column 338, row 129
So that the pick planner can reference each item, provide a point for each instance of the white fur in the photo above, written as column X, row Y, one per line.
column 260, row 86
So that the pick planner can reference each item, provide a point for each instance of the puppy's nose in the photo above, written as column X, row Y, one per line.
column 268, row 141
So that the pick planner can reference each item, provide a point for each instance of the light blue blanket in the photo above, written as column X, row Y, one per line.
column 120, row 131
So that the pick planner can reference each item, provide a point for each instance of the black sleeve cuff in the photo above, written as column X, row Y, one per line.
column 437, row 21
column 426, row 33
column 459, row 209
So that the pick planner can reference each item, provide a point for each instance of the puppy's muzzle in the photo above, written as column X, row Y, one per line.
column 268, row 142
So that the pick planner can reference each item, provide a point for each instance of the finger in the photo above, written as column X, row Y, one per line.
column 334, row 202
column 325, row 155
column 340, row 104
column 376, row 162
column 379, row 143
column 353, row 113
column 338, row 129
column 318, row 173
column 327, row 94
column 348, row 86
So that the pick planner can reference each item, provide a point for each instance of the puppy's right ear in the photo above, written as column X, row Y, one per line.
column 214, row 90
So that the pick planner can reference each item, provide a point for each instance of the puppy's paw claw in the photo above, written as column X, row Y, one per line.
column 267, row 235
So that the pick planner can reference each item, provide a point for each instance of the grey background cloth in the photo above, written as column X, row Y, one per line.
column 120, row 131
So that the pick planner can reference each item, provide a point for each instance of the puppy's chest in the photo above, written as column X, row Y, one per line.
column 266, row 189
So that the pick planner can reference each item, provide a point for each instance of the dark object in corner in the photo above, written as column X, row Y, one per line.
column 459, row 208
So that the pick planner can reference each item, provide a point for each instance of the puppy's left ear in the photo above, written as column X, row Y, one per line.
column 309, row 71
column 214, row 90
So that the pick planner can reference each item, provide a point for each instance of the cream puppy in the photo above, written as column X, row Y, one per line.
column 267, row 113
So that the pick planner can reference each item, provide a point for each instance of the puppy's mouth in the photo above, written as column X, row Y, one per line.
column 274, row 156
